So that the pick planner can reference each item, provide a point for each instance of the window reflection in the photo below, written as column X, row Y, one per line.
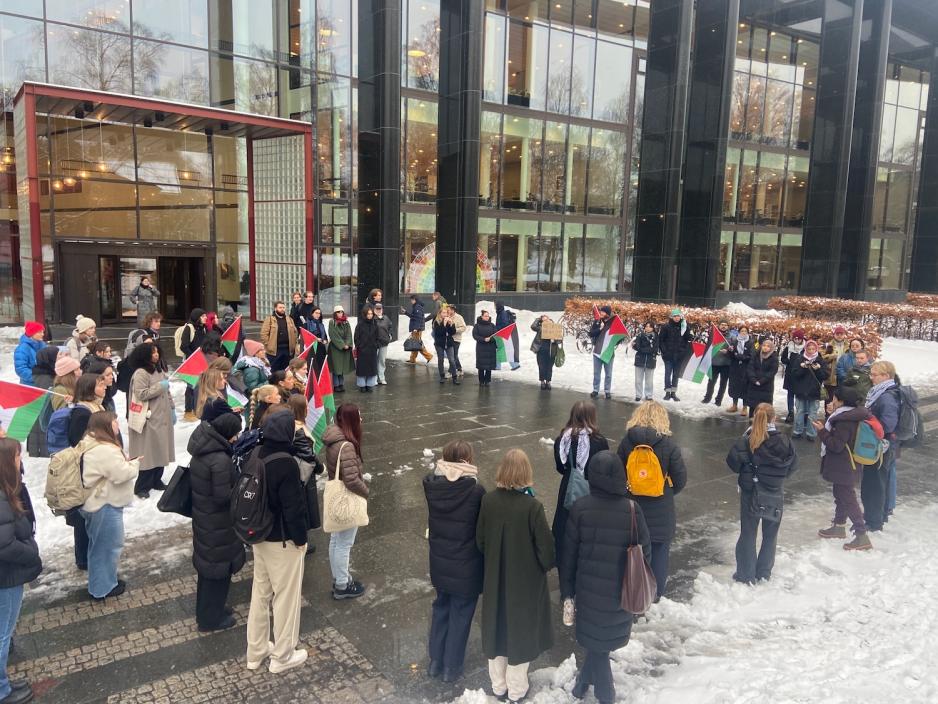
column 332, row 129
column 577, row 155
column 419, row 255
column 334, row 35
column 527, row 65
column 768, row 203
column 22, row 55
column 521, row 177
column 611, row 97
column 558, row 79
column 885, row 271
column 181, row 21
column 493, row 82
column 796, row 190
column 95, row 60
column 581, row 82
column 245, row 85
column 113, row 15
column 553, row 160
column 573, row 257
column 606, row 165
column 490, row 159
column 243, row 27
column 601, row 260
column 423, row 44
column 421, row 150
column 730, row 190
column 171, row 72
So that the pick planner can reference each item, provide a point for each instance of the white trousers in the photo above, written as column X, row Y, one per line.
column 512, row 679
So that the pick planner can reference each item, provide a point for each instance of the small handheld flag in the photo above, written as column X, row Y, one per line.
column 191, row 369
column 235, row 398
column 506, row 343
column 20, row 406
column 693, row 370
column 231, row 337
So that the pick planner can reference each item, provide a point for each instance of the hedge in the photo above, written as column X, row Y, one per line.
column 912, row 321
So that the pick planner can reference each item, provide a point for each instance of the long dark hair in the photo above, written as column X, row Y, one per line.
column 582, row 416
column 10, row 481
column 349, row 420
column 84, row 388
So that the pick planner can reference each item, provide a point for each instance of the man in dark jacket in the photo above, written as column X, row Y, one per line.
column 417, row 325
column 720, row 364
column 878, row 488
column 659, row 512
column 598, row 534
column 674, row 341
column 761, row 375
column 278, row 560
column 216, row 551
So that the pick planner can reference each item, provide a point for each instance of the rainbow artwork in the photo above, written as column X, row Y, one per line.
column 421, row 274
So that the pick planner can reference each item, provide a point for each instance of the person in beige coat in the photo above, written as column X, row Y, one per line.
column 110, row 475
column 460, row 324
column 343, row 442
column 150, row 385
column 84, row 335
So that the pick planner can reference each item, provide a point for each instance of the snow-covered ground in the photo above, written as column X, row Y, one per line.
column 831, row 626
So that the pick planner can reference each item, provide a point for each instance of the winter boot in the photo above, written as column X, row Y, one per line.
column 667, row 395
column 860, row 542
column 790, row 418
column 674, row 396
column 706, row 399
column 732, row 409
column 837, row 531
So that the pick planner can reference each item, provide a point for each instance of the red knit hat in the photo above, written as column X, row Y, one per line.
column 32, row 327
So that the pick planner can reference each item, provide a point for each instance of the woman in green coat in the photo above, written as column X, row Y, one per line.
column 341, row 361
column 518, row 549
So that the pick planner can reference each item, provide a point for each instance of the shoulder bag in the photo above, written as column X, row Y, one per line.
column 577, row 485
column 342, row 509
column 638, row 582
column 177, row 497
column 137, row 414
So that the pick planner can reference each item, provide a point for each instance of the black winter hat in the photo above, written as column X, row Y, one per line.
column 228, row 425
column 607, row 310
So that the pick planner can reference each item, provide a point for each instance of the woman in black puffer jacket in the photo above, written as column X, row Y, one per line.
column 763, row 458
column 598, row 534
column 482, row 333
column 650, row 425
column 217, row 553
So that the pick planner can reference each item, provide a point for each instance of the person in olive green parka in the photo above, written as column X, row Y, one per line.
column 341, row 361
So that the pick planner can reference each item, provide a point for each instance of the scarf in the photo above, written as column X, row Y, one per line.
column 256, row 362
column 795, row 347
column 830, row 428
column 809, row 358
column 878, row 390
column 741, row 341
column 455, row 470
column 582, row 448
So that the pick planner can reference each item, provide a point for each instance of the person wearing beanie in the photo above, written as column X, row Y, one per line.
column 252, row 368
column 597, row 332
column 674, row 342
column 84, row 335
column 808, row 376
column 67, row 371
column 217, row 553
column 24, row 356
column 341, row 361
column 794, row 347
column 279, row 335
column 278, row 560
column 385, row 335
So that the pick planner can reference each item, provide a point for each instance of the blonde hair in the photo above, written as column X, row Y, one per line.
column 207, row 389
column 765, row 414
column 884, row 367
column 651, row 414
column 514, row 471
column 260, row 394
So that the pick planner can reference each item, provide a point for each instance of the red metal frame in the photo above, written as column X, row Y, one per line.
column 28, row 93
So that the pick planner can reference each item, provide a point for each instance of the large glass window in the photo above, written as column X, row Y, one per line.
column 96, row 60
column 419, row 253
column 573, row 257
column 527, row 65
column 490, row 159
column 22, row 55
column 576, row 156
column 493, row 81
column 796, row 190
column 245, row 27
column 606, row 172
column 181, row 21
column 558, row 78
column 420, row 153
column 601, row 260
column 246, row 85
column 521, row 176
column 553, row 165
column 611, row 97
column 332, row 131
column 422, row 45
column 111, row 14
column 769, row 189
column 171, row 72
column 885, row 270
column 730, row 186
column 334, row 42
column 581, row 82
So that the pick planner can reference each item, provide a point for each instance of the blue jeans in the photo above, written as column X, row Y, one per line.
column 671, row 376
column 11, row 599
column 382, row 362
column 361, row 381
column 644, row 383
column 805, row 408
column 105, row 542
column 890, row 469
column 598, row 367
column 338, row 380
column 340, row 547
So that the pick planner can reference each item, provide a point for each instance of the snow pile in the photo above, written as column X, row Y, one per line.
column 748, row 312
column 11, row 334
column 830, row 626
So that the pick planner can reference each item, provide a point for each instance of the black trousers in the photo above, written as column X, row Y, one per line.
column 660, row 560
column 749, row 566
column 281, row 361
column 597, row 671
column 190, row 399
column 545, row 365
column 721, row 374
column 147, row 479
column 450, row 621
column 485, row 375
column 80, row 533
column 210, row 598
column 873, row 496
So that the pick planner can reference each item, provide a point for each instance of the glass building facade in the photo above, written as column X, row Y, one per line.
column 587, row 115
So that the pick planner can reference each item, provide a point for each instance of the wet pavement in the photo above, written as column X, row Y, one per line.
column 144, row 647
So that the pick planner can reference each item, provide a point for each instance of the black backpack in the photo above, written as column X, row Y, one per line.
column 250, row 511
column 910, row 427
column 245, row 444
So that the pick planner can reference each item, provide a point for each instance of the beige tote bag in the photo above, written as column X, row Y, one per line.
column 342, row 509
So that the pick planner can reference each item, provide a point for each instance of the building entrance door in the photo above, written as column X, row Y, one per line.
column 181, row 286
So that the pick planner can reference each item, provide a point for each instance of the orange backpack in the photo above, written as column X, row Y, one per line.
column 643, row 473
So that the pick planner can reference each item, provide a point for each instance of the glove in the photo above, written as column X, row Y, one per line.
column 165, row 384
column 172, row 412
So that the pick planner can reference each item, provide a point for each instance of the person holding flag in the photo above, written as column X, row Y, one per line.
column 719, row 363
column 606, row 332
column 674, row 341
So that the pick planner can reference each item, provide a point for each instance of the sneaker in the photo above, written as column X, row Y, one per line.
column 143, row 494
column 442, row 379
column 718, row 402
column 430, row 359
column 796, row 436
column 297, row 658
column 435, row 668
column 456, row 381
column 19, row 695
column 548, row 388
column 543, row 385
column 459, row 373
column 569, row 612
column 667, row 395
column 594, row 394
column 450, row 676
column 119, row 589
column 732, row 409
column 410, row 361
column 352, row 590
column 810, row 438
column 705, row 400
column 744, row 411
column 255, row 664
column 836, row 531
column 860, row 542
column 382, row 382
column 189, row 417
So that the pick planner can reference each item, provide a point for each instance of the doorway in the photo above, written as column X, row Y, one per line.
column 180, row 281
column 182, row 286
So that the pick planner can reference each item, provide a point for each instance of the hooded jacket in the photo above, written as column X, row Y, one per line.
column 416, row 315
column 773, row 461
column 350, row 469
column 503, row 316
column 24, row 358
column 454, row 497
column 486, row 357
column 216, row 550
column 192, row 337
column 762, row 370
column 599, row 533
column 658, row 510
column 44, row 368
column 645, row 345
column 835, row 464
column 672, row 342
column 285, row 495
column 19, row 553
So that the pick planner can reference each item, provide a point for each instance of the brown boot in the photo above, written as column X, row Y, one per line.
column 837, row 531
column 860, row 542
column 744, row 411
column 732, row 409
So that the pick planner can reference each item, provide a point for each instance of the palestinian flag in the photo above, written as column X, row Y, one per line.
column 309, row 339
column 231, row 337
column 506, row 343
column 694, row 369
column 235, row 398
column 320, row 404
column 191, row 369
column 614, row 335
column 717, row 344
column 20, row 406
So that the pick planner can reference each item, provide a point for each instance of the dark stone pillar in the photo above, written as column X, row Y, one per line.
column 830, row 146
column 457, row 204
column 711, row 90
column 379, row 151
column 662, row 151
column 864, row 150
column 924, row 272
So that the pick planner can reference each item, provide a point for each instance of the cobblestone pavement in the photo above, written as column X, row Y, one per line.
column 144, row 647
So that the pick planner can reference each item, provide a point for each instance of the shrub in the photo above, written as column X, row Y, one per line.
column 912, row 321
